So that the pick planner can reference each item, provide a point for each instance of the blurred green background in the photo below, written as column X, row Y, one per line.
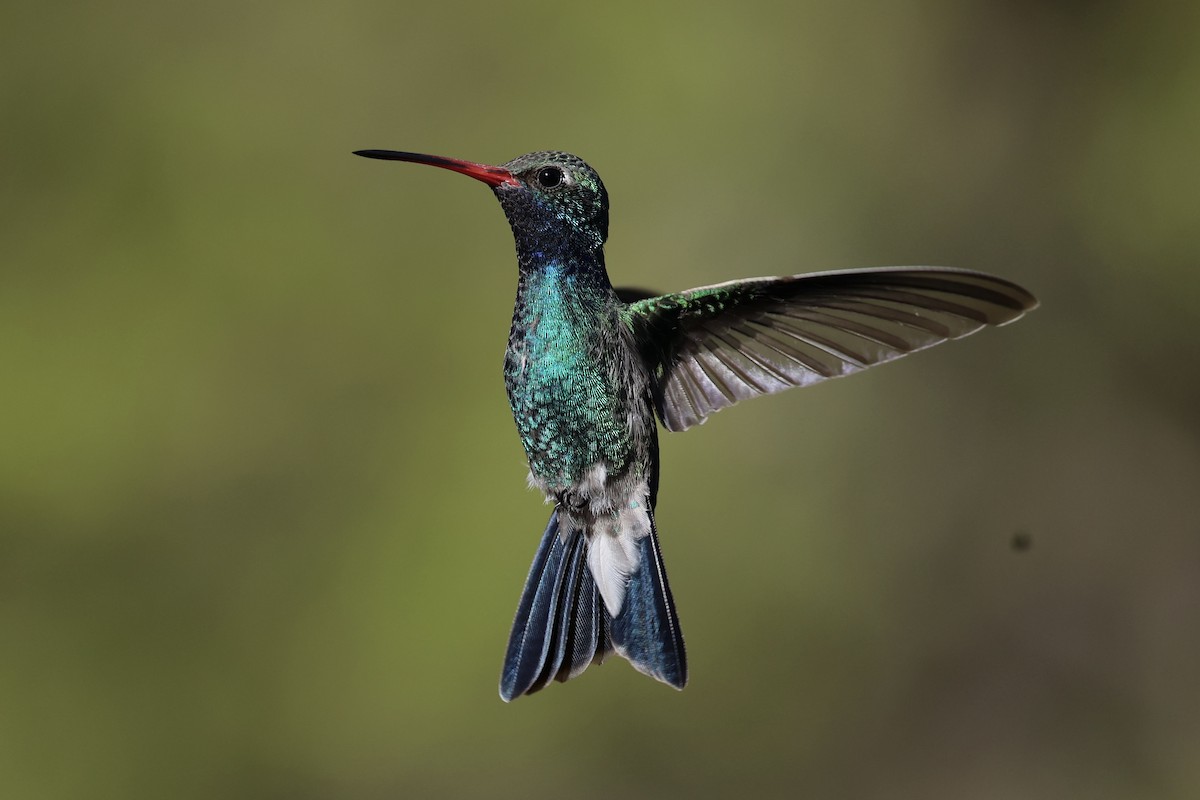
column 263, row 523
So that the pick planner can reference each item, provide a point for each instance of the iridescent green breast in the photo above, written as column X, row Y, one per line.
column 563, row 377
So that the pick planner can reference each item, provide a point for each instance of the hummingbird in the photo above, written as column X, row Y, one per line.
column 590, row 369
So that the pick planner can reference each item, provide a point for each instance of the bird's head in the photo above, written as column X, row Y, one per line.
column 554, row 201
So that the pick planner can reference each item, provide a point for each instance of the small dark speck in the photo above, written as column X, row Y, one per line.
column 1021, row 542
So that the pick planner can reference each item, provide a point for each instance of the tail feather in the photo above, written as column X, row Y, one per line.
column 560, row 620
column 589, row 638
column 562, row 625
column 574, row 628
column 559, row 627
column 646, row 632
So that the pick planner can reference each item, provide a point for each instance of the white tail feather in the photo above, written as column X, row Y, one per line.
column 613, row 552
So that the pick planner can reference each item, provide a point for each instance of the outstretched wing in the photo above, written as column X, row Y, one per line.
column 713, row 346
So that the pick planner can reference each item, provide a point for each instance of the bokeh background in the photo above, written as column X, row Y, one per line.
column 263, row 523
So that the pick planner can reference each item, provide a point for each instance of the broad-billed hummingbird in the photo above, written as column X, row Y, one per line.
column 589, row 368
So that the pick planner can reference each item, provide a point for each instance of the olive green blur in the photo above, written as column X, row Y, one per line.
column 263, row 523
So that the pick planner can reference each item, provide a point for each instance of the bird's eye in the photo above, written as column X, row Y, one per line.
column 549, row 177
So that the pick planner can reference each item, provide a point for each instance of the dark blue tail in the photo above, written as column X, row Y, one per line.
column 562, row 626
column 646, row 632
column 560, row 613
